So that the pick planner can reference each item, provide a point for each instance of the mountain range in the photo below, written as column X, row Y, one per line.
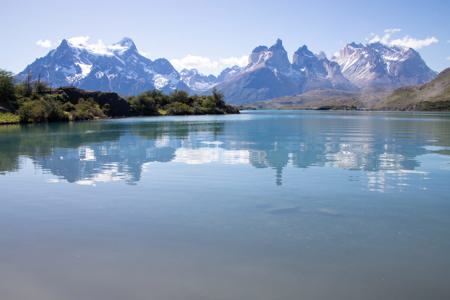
column 269, row 73
column 430, row 96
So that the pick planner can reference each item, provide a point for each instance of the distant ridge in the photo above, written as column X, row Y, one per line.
column 326, row 99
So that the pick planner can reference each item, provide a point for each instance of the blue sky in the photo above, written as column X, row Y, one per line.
column 213, row 34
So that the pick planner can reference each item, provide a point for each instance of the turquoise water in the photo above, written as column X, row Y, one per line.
column 261, row 205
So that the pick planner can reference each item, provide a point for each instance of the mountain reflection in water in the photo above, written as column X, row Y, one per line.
column 102, row 151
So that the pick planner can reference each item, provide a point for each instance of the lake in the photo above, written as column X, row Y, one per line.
column 261, row 205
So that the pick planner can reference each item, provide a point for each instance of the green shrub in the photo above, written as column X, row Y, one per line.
column 8, row 118
column 178, row 108
column 86, row 110
column 143, row 104
column 180, row 96
column 7, row 91
column 33, row 111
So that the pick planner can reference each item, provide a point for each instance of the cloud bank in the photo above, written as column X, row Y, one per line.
column 207, row 65
column 97, row 47
column 405, row 41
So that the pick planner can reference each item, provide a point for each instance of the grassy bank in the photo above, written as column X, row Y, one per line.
column 8, row 118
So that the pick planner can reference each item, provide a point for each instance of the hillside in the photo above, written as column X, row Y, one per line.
column 326, row 99
column 434, row 95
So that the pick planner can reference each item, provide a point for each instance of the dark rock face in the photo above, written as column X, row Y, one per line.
column 118, row 106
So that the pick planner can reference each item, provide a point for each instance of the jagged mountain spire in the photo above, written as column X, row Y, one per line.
column 274, row 57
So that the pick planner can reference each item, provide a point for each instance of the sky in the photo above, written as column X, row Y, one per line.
column 211, row 35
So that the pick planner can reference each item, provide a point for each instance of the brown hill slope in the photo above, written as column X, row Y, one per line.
column 434, row 95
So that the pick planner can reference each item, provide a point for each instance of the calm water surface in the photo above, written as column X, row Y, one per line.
column 262, row 205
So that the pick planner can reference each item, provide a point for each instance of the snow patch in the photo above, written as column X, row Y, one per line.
column 85, row 69
column 160, row 81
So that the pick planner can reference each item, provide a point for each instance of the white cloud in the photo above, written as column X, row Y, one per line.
column 233, row 61
column 448, row 57
column 406, row 41
column 207, row 65
column 79, row 40
column 44, row 43
column 410, row 42
column 385, row 38
column 194, row 62
column 392, row 30
column 83, row 42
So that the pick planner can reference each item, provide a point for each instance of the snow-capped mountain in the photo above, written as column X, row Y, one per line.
column 377, row 64
column 270, row 74
column 319, row 72
column 228, row 73
column 119, row 68
column 197, row 81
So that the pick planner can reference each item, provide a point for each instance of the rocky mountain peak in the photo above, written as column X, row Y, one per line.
column 274, row 57
column 303, row 56
column 64, row 49
column 277, row 46
column 163, row 66
column 377, row 64
column 127, row 42
column 277, row 58
column 64, row 44
column 260, row 49
column 117, row 68
column 124, row 45
column 228, row 73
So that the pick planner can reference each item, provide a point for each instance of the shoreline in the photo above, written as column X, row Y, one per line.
column 242, row 109
column 109, row 118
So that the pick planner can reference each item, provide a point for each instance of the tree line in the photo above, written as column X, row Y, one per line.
column 33, row 101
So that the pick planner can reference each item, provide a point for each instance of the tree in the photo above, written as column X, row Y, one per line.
column 218, row 97
column 40, row 87
column 180, row 96
column 7, row 90
column 28, row 84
